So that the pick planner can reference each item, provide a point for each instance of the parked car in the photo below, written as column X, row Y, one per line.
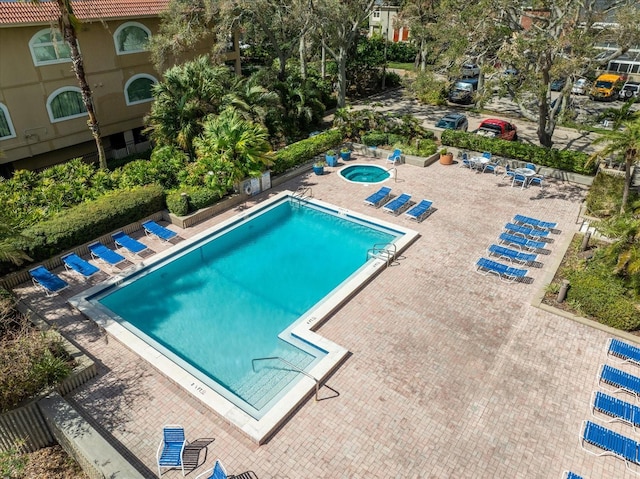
column 580, row 86
column 630, row 90
column 470, row 70
column 607, row 87
column 462, row 90
column 558, row 84
column 495, row 128
column 453, row 121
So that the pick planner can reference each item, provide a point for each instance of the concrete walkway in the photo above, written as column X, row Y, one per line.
column 451, row 374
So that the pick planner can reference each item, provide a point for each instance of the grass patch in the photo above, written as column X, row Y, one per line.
column 402, row 66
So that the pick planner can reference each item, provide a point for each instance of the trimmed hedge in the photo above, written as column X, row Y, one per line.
column 302, row 151
column 89, row 220
column 573, row 161
column 197, row 198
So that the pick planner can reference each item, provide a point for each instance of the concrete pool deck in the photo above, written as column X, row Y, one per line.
column 450, row 373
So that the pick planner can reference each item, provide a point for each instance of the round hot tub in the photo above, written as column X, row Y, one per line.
column 364, row 174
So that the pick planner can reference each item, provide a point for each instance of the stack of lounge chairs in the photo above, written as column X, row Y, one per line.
column 520, row 243
column 612, row 405
column 414, row 211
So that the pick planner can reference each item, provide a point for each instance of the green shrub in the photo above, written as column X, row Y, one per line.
column 598, row 293
column 429, row 90
column 393, row 138
column 422, row 148
column 605, row 195
column 177, row 203
column 567, row 160
column 114, row 163
column 32, row 360
column 89, row 220
column 302, row 151
column 375, row 138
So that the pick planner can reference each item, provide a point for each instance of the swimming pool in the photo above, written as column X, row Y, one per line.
column 251, row 274
column 363, row 173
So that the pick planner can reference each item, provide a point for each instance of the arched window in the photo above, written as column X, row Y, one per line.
column 47, row 47
column 139, row 89
column 131, row 37
column 65, row 104
column 6, row 127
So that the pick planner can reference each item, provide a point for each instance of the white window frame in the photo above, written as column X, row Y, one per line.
column 116, row 34
column 32, row 43
column 376, row 15
column 54, row 95
column 130, row 81
column 12, row 131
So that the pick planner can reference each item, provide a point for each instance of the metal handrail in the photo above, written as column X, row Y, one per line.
column 301, row 192
column 389, row 249
column 289, row 364
column 395, row 173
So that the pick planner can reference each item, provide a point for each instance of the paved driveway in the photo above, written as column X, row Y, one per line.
column 451, row 374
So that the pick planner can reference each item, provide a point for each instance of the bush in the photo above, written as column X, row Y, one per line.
column 177, row 203
column 86, row 221
column 605, row 195
column 302, row 151
column 115, row 163
column 574, row 161
column 401, row 52
column 195, row 198
column 429, row 90
column 422, row 148
column 375, row 138
column 32, row 360
column 602, row 296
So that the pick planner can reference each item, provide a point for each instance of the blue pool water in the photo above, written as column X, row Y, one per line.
column 228, row 298
column 365, row 173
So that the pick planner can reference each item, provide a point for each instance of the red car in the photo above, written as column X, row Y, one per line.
column 495, row 128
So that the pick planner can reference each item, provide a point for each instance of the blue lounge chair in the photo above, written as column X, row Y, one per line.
column 105, row 255
column 73, row 262
column 624, row 351
column 395, row 157
column 154, row 229
column 379, row 197
column 171, row 448
column 513, row 228
column 616, row 380
column 523, row 243
column 534, row 223
column 610, row 442
column 506, row 273
column 51, row 283
column 420, row 211
column 616, row 409
column 512, row 254
column 571, row 475
column 217, row 472
column 126, row 243
column 397, row 205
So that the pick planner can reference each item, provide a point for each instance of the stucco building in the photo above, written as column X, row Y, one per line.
column 42, row 118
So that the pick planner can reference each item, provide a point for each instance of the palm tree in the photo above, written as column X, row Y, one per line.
column 183, row 100
column 626, row 142
column 233, row 148
column 67, row 23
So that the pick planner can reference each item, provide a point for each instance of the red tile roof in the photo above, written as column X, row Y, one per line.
column 20, row 13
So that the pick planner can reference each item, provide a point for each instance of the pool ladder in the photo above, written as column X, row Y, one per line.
column 385, row 251
column 302, row 193
column 253, row 362
column 393, row 171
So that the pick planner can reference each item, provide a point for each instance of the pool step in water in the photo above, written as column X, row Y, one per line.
column 271, row 377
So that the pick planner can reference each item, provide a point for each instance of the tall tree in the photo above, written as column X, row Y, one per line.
column 626, row 143
column 67, row 23
column 338, row 22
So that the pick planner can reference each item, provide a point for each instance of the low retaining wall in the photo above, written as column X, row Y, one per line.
column 98, row 458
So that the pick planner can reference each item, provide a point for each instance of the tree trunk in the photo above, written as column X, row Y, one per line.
column 629, row 156
column 69, row 35
column 342, row 77
column 303, row 59
column 544, row 137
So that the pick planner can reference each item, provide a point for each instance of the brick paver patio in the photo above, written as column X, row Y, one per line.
column 451, row 374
